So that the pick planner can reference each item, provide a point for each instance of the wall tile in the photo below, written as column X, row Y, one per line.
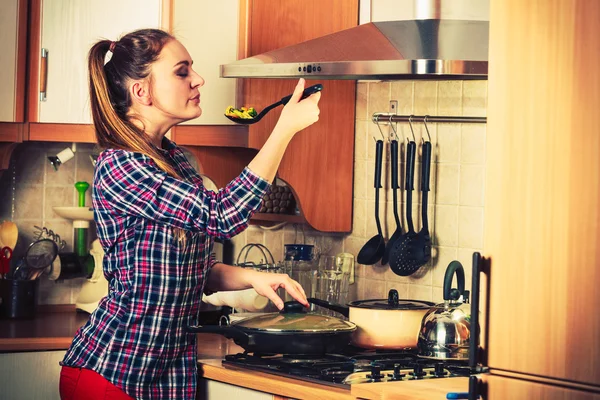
column 362, row 95
column 425, row 98
column 420, row 292
column 374, row 289
column 403, row 92
column 30, row 162
column 361, row 187
column 379, row 98
column 359, row 218
column 450, row 96
column 475, row 98
column 63, row 177
column 447, row 184
column 472, row 178
column 360, row 140
column 28, row 202
column 446, row 226
column 472, row 148
column 447, row 147
column 470, row 227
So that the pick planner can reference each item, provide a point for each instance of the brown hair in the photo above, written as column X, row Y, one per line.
column 131, row 59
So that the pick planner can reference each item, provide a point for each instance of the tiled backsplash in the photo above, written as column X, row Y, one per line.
column 455, row 200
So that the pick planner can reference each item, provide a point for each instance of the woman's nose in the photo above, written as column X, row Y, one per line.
column 197, row 80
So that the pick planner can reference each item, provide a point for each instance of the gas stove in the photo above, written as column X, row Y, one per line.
column 352, row 367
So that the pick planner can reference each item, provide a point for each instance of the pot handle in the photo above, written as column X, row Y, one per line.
column 229, row 332
column 449, row 293
column 344, row 310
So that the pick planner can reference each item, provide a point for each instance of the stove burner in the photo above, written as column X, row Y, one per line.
column 352, row 366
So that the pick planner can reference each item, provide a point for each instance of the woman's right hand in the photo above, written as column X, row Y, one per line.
column 299, row 114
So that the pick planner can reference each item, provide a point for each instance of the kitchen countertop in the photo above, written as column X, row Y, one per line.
column 53, row 328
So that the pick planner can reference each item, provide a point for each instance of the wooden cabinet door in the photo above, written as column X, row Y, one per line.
column 68, row 30
column 318, row 163
column 13, row 36
column 542, row 208
column 209, row 31
column 502, row 388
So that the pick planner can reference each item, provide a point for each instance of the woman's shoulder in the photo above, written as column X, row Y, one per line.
column 120, row 156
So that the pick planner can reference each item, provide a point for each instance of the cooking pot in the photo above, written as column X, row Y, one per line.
column 446, row 329
column 291, row 331
column 391, row 323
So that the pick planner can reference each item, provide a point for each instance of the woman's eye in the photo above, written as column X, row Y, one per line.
column 182, row 74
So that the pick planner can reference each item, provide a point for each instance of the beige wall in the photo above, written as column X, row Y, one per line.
column 456, row 197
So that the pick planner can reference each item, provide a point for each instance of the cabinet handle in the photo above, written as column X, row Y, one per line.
column 43, row 74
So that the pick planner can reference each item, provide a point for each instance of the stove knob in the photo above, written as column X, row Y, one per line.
column 397, row 374
column 418, row 371
column 439, row 371
column 375, row 373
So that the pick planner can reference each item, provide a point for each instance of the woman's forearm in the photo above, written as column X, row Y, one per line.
column 223, row 277
column 267, row 161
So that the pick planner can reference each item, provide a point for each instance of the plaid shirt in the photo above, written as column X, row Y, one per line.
column 136, row 337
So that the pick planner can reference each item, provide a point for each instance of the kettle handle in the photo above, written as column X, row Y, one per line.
column 455, row 267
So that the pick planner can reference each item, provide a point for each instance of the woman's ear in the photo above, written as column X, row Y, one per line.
column 140, row 93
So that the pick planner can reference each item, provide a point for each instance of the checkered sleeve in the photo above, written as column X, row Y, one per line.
column 133, row 184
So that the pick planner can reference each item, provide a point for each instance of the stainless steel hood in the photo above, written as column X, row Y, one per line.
column 416, row 49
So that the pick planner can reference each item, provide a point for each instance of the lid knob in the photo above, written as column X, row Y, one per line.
column 292, row 307
column 393, row 297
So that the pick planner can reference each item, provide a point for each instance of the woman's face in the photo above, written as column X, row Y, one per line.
column 174, row 84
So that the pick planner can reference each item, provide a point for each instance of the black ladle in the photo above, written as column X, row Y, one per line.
column 400, row 257
column 248, row 121
column 398, row 233
column 373, row 250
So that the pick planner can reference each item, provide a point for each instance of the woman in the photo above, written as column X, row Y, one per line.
column 156, row 222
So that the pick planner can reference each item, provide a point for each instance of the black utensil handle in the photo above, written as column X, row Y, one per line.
column 426, row 166
column 474, row 344
column 345, row 311
column 378, row 161
column 449, row 293
column 410, row 165
column 307, row 92
column 229, row 332
column 394, row 155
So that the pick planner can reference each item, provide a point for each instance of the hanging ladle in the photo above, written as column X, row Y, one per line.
column 373, row 250
column 416, row 249
column 400, row 254
column 247, row 121
column 398, row 233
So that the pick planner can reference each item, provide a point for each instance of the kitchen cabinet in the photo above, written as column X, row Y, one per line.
column 501, row 388
column 13, row 34
column 31, row 375
column 61, row 34
column 542, row 203
column 215, row 390
column 318, row 164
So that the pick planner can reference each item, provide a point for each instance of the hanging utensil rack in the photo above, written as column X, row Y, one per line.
column 390, row 117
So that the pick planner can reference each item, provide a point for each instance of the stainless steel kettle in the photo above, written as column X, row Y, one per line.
column 446, row 329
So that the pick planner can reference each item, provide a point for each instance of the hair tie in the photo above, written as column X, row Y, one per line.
column 112, row 47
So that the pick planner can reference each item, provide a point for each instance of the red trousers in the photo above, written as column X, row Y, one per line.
column 85, row 384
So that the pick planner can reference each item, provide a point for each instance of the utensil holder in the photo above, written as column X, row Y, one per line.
column 19, row 298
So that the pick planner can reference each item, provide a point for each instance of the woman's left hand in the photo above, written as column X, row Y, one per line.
column 266, row 284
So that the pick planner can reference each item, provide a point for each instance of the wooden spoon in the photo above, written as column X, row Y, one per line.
column 9, row 233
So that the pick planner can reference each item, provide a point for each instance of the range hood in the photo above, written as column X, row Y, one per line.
column 435, row 49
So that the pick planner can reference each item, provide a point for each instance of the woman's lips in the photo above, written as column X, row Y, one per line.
column 195, row 99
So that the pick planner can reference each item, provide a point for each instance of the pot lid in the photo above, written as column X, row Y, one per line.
column 294, row 319
column 392, row 303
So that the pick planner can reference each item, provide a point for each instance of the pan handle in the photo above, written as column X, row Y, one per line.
column 344, row 310
column 229, row 332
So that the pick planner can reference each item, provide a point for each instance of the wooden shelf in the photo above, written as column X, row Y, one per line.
column 294, row 219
